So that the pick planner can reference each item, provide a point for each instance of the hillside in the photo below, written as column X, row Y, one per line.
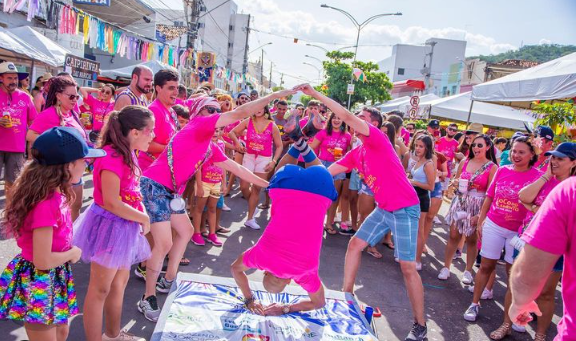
column 537, row 53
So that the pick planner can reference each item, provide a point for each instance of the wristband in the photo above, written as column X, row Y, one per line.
column 247, row 301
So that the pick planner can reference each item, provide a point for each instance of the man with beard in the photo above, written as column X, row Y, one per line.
column 253, row 95
column 140, row 85
column 447, row 145
column 544, row 142
column 18, row 111
column 242, row 98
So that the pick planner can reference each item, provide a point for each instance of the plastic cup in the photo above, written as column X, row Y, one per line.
column 337, row 152
column 463, row 186
column 368, row 314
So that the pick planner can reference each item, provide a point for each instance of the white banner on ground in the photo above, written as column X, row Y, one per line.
column 196, row 310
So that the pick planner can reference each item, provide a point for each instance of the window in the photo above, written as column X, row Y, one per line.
column 231, row 28
column 400, row 71
column 230, row 45
column 453, row 89
column 444, row 91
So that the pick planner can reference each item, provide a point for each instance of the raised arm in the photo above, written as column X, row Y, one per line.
column 528, row 194
column 85, row 91
column 249, row 108
column 350, row 119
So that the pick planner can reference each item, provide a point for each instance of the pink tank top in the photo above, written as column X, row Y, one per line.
column 480, row 183
column 259, row 143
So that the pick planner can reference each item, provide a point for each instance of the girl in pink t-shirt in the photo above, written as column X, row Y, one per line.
column 111, row 232
column 330, row 144
column 209, row 184
column 59, row 111
column 261, row 133
column 476, row 172
column 37, row 286
column 501, row 217
column 99, row 107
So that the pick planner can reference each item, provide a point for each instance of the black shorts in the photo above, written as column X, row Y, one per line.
column 424, row 197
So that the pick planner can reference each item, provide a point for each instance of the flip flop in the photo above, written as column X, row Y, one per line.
column 330, row 230
column 389, row 245
column 374, row 254
column 222, row 230
column 263, row 206
column 184, row 261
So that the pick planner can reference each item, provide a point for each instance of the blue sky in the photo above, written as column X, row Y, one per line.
column 488, row 26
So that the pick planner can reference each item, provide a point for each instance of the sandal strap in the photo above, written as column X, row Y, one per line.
column 502, row 331
column 540, row 337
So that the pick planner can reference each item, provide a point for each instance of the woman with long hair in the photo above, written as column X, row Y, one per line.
column 261, row 133
column 59, row 112
column 422, row 176
column 475, row 173
column 500, row 219
column 331, row 144
column 562, row 166
column 99, row 107
column 111, row 232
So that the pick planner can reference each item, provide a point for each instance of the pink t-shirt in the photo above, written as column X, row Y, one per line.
column 405, row 134
column 179, row 101
column 542, row 164
column 544, row 191
column 211, row 173
column 227, row 130
column 99, row 111
column 287, row 254
column 22, row 111
column 50, row 212
column 506, row 210
column 164, row 128
column 191, row 148
column 49, row 119
column 448, row 148
column 553, row 230
column 259, row 143
column 480, row 182
column 337, row 139
column 129, row 183
column 376, row 160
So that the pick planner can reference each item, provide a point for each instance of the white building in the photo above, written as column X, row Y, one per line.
column 412, row 63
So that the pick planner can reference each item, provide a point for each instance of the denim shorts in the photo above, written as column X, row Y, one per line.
column 355, row 182
column 437, row 192
column 156, row 199
column 404, row 226
column 558, row 267
column 364, row 189
column 219, row 204
column 340, row 176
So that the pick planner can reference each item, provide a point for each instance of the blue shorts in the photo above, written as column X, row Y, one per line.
column 340, row 176
column 364, row 189
column 404, row 226
column 437, row 192
column 558, row 267
column 156, row 200
column 219, row 204
column 355, row 182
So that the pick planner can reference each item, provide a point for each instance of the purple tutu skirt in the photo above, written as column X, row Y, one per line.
column 110, row 241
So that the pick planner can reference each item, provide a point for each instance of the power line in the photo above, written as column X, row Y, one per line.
column 318, row 42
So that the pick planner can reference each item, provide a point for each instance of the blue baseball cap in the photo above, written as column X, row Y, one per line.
column 61, row 145
column 545, row 132
column 566, row 149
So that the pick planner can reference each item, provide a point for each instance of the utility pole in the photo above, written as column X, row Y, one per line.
column 245, row 65
column 429, row 70
column 270, row 79
column 262, row 73
column 282, row 79
column 192, row 21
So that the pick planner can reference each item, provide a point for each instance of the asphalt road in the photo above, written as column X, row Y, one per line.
column 379, row 284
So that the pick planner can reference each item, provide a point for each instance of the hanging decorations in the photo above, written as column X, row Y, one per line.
column 205, row 64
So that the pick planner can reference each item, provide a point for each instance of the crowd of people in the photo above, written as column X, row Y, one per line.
column 163, row 161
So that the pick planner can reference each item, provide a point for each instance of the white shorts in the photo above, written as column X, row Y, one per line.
column 256, row 163
column 496, row 238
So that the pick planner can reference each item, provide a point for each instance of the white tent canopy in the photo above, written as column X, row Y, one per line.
column 401, row 102
column 555, row 79
column 14, row 47
column 41, row 43
column 126, row 72
column 457, row 107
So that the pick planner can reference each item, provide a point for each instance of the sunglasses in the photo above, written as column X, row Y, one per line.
column 72, row 97
column 212, row 110
column 479, row 145
column 452, row 129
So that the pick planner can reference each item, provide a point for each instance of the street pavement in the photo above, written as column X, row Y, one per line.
column 379, row 283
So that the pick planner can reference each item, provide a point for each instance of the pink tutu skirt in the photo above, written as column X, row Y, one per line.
column 109, row 240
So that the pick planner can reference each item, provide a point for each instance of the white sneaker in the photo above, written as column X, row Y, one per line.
column 472, row 312
column 252, row 224
column 444, row 274
column 123, row 336
column 418, row 266
column 486, row 294
column 519, row 329
column 436, row 220
column 467, row 278
column 225, row 208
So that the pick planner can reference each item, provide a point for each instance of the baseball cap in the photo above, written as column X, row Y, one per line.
column 517, row 135
column 566, row 149
column 9, row 67
column 61, row 145
column 545, row 132
column 434, row 124
column 241, row 93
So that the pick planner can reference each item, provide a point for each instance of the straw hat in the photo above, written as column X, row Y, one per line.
column 9, row 67
column 475, row 128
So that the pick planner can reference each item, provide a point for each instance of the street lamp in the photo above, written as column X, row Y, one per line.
column 359, row 27
column 259, row 47
column 317, row 69
column 320, row 47
column 318, row 59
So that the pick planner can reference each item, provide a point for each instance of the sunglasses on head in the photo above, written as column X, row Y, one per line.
column 479, row 145
column 212, row 110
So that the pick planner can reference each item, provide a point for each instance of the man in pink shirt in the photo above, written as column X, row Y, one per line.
column 17, row 114
column 447, row 145
column 544, row 142
column 552, row 233
column 166, row 122
column 398, row 207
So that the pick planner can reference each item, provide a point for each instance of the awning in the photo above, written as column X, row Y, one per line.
column 41, row 43
column 13, row 47
column 408, row 85
column 555, row 79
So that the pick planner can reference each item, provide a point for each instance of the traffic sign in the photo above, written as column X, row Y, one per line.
column 350, row 89
column 414, row 101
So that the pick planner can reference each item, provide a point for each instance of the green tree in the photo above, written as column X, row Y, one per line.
column 560, row 116
column 338, row 70
column 304, row 99
column 278, row 88
column 535, row 53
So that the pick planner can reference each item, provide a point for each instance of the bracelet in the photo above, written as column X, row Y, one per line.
column 545, row 178
column 247, row 301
